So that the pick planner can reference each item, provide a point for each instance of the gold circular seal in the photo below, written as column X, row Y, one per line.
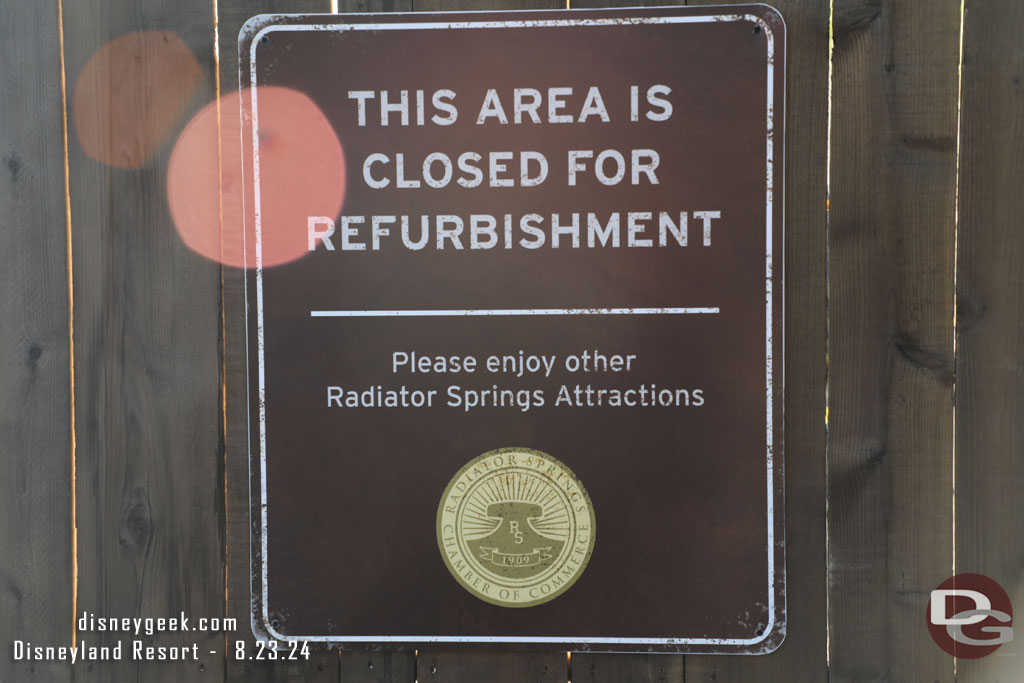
column 515, row 527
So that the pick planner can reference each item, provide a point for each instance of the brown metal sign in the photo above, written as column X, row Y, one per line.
column 515, row 328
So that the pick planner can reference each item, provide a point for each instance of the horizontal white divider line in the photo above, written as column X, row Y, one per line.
column 455, row 312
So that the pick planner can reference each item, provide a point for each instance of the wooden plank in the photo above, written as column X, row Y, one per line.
column 804, row 649
column 592, row 667
column 322, row 664
column 35, row 405
column 891, row 245
column 802, row 656
column 377, row 666
column 587, row 667
column 990, row 315
column 602, row 4
column 451, row 666
column 150, row 485
column 484, row 5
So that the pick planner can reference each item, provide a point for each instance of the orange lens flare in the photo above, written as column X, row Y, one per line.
column 130, row 94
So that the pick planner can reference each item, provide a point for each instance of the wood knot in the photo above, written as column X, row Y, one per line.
column 13, row 162
column 874, row 456
column 931, row 360
column 856, row 18
column 137, row 525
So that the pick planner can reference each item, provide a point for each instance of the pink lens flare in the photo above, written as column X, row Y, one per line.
column 301, row 174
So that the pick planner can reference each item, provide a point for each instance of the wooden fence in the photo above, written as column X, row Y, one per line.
column 904, row 355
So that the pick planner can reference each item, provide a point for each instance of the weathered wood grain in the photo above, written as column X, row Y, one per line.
column 322, row 664
column 483, row 5
column 462, row 666
column 587, row 667
column 154, row 481
column 989, row 392
column 377, row 666
column 891, row 245
column 150, row 479
column 802, row 656
column 35, row 405
column 601, row 4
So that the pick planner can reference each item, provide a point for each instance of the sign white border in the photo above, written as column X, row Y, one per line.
column 769, row 182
